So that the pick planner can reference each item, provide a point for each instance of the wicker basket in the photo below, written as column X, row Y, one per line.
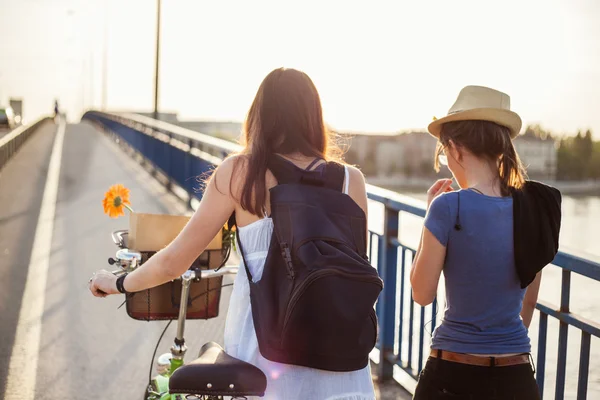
column 162, row 302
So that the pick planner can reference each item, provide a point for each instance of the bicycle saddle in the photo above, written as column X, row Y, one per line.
column 217, row 373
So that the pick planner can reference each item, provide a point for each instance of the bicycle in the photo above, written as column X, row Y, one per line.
column 214, row 373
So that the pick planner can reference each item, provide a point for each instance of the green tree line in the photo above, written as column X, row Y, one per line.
column 578, row 157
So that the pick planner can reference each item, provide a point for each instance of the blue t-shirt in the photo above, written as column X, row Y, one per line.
column 483, row 292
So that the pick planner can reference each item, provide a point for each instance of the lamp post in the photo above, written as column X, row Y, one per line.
column 103, row 102
column 156, row 69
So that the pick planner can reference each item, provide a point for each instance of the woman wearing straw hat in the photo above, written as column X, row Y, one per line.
column 478, row 236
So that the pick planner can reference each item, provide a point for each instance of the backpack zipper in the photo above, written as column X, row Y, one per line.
column 319, row 274
column 287, row 257
column 364, row 256
column 325, row 239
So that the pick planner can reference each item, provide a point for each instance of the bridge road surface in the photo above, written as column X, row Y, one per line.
column 87, row 349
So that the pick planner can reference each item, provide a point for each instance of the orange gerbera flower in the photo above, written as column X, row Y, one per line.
column 115, row 199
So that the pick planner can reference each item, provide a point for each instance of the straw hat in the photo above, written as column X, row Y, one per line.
column 482, row 104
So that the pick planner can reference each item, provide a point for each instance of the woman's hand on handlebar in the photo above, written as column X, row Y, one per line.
column 103, row 283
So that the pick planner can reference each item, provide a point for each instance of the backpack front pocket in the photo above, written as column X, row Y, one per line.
column 331, row 313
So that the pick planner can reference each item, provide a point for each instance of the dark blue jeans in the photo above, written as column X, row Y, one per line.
column 441, row 379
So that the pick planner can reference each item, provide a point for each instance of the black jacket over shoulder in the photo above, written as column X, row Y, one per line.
column 536, row 225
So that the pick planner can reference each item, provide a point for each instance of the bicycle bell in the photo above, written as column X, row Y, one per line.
column 126, row 259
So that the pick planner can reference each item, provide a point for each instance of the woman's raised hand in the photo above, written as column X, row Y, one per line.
column 439, row 187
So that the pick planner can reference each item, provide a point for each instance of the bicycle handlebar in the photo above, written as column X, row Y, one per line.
column 125, row 258
column 211, row 273
column 118, row 239
column 129, row 260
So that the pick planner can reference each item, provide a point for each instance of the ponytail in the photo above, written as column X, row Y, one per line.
column 510, row 169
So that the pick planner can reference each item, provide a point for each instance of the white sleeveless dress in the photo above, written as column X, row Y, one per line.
column 284, row 381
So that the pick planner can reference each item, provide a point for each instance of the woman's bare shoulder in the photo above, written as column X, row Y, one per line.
column 356, row 176
column 234, row 161
column 357, row 187
column 231, row 172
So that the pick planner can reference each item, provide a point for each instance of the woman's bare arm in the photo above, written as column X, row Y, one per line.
column 530, row 300
column 215, row 208
column 427, row 268
column 430, row 255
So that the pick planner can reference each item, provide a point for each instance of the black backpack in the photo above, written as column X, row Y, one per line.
column 313, row 305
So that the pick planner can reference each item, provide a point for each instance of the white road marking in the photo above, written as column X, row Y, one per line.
column 22, row 370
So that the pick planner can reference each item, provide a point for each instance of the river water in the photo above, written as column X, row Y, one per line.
column 580, row 233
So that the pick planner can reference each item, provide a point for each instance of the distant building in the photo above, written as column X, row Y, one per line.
column 17, row 106
column 406, row 154
column 419, row 153
column 538, row 155
column 412, row 154
column 375, row 154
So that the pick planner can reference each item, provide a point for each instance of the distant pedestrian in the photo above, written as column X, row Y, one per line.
column 56, row 111
column 491, row 238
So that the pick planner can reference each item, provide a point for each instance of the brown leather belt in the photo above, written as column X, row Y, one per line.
column 482, row 361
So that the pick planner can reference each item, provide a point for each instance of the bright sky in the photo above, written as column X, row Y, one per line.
column 379, row 65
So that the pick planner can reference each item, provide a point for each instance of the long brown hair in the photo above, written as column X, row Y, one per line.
column 285, row 117
column 489, row 141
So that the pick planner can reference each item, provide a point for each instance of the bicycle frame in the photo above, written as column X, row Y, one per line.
column 161, row 381
column 128, row 260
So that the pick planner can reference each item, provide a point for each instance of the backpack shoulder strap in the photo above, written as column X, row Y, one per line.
column 233, row 223
column 283, row 170
column 312, row 164
column 331, row 174
column 334, row 176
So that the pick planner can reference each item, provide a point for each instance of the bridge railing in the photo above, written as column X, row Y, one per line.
column 12, row 141
column 180, row 154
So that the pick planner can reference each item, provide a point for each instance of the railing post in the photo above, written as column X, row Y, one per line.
column 563, row 332
column 541, row 358
column 389, row 263
column 188, row 169
column 584, row 365
column 421, row 339
column 168, row 163
column 401, row 317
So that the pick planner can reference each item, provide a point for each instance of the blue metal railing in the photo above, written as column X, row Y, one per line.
column 179, row 154
column 176, row 153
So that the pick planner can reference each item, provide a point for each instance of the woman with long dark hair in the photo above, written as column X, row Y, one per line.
column 284, row 124
column 475, row 235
